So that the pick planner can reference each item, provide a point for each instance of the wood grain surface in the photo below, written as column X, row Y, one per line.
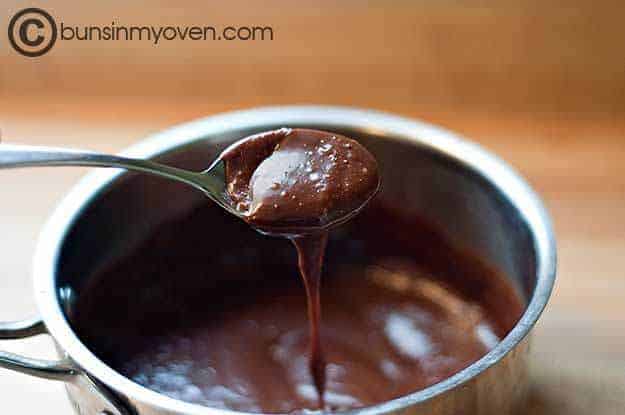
column 577, row 165
column 500, row 55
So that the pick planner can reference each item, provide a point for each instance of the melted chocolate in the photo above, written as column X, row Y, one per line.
column 310, row 253
column 225, row 325
column 299, row 179
column 297, row 183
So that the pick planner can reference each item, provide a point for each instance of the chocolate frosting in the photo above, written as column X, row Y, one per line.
column 299, row 177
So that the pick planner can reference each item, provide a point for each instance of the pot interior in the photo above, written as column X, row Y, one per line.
column 457, row 227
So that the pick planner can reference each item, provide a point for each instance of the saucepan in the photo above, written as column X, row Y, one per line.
column 478, row 200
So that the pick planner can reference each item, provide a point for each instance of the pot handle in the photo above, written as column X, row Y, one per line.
column 47, row 369
column 104, row 401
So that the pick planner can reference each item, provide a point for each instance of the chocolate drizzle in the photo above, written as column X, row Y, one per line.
column 310, row 254
column 222, row 323
column 297, row 183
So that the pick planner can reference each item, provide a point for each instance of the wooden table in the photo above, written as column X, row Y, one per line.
column 577, row 164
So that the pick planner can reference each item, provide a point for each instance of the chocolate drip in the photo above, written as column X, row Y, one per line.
column 310, row 253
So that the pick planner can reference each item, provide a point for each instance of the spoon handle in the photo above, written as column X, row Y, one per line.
column 14, row 155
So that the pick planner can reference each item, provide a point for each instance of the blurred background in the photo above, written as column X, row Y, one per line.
column 541, row 83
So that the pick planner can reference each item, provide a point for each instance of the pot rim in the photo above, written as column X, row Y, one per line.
column 471, row 156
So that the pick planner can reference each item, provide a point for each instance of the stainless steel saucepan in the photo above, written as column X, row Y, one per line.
column 479, row 201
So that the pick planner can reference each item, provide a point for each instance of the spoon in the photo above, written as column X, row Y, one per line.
column 212, row 181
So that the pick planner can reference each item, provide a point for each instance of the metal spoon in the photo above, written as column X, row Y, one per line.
column 210, row 181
